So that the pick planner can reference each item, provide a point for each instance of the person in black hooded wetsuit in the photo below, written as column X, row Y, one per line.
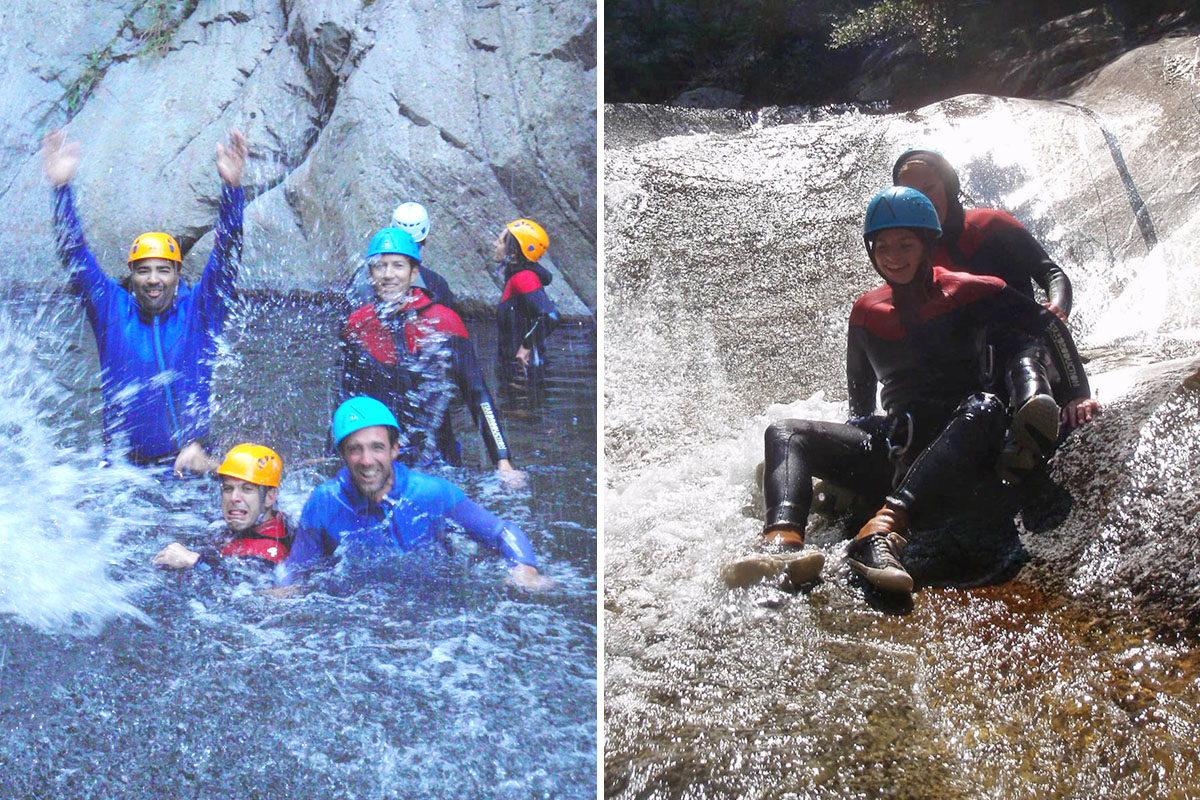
column 988, row 241
column 922, row 336
column 526, row 314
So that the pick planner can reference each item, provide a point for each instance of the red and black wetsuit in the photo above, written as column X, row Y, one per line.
column 526, row 314
column 269, row 542
column 988, row 241
column 411, row 361
column 925, row 343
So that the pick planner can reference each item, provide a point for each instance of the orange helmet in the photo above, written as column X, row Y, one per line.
column 253, row 463
column 531, row 236
column 154, row 245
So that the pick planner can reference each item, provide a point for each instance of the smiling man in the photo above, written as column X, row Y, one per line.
column 254, row 529
column 374, row 502
column 410, row 352
column 156, row 336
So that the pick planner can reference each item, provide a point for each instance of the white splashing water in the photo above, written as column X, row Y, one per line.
column 61, row 516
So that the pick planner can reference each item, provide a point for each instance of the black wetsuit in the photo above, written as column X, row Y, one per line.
column 526, row 314
column 988, row 241
column 925, row 343
column 412, row 361
column 437, row 288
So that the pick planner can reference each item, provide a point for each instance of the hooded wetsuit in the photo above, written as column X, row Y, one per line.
column 526, row 314
column 155, row 372
column 924, row 342
column 411, row 361
column 417, row 506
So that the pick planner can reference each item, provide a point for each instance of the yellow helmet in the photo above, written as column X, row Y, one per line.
column 154, row 245
column 531, row 236
column 253, row 463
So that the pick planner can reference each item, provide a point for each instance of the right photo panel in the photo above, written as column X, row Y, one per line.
column 901, row 399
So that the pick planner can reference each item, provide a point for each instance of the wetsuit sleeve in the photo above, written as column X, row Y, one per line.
column 471, row 384
column 486, row 528
column 86, row 278
column 861, row 381
column 309, row 544
column 544, row 314
column 215, row 289
column 1011, row 309
column 354, row 371
column 1022, row 249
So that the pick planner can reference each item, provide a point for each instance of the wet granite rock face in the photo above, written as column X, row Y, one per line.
column 1129, row 534
column 484, row 113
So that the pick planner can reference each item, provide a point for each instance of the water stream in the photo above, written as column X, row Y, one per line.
column 420, row 675
column 732, row 257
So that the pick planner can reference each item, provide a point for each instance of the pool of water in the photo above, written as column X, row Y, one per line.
column 420, row 675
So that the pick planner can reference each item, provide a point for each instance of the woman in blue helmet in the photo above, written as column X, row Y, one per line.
column 412, row 353
column 922, row 337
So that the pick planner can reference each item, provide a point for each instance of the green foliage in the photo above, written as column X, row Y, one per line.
column 921, row 21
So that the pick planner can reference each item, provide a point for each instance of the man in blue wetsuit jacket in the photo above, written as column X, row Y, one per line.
column 156, row 336
column 375, row 502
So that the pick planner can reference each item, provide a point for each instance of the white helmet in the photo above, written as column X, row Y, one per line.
column 412, row 217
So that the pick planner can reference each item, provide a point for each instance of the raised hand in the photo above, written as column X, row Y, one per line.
column 231, row 159
column 60, row 157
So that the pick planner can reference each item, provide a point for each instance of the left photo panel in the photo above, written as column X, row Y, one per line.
column 299, row 383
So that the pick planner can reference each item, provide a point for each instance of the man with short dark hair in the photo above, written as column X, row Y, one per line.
column 156, row 336
column 376, row 502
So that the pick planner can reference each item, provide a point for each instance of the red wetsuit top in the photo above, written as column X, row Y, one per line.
column 269, row 540
column 526, row 315
column 411, row 361
column 988, row 241
column 925, row 343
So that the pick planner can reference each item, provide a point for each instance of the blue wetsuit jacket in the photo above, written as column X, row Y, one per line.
column 155, row 372
column 338, row 515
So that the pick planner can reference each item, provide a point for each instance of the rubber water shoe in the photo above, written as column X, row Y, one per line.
column 876, row 557
column 1032, row 439
column 801, row 567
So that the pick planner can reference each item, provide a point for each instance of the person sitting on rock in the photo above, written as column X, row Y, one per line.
column 254, row 529
column 988, row 241
column 922, row 336
column 411, row 353
column 156, row 336
column 374, row 502
column 526, row 314
column 413, row 218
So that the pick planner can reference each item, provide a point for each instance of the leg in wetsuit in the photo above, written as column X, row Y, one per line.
column 857, row 458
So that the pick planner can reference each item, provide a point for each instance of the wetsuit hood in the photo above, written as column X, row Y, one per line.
column 948, row 176
column 512, row 265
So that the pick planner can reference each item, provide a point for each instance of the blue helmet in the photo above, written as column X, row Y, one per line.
column 358, row 413
column 394, row 240
column 900, row 207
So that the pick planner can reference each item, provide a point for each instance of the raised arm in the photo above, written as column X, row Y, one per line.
column 60, row 160
column 220, row 274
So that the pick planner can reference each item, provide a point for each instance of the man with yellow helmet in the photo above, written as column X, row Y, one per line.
column 254, row 528
column 156, row 336
column 526, row 315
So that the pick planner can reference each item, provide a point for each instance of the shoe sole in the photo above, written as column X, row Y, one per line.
column 1035, row 425
column 803, row 566
column 889, row 579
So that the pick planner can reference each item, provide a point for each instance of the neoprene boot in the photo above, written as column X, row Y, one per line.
column 789, row 557
column 875, row 552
